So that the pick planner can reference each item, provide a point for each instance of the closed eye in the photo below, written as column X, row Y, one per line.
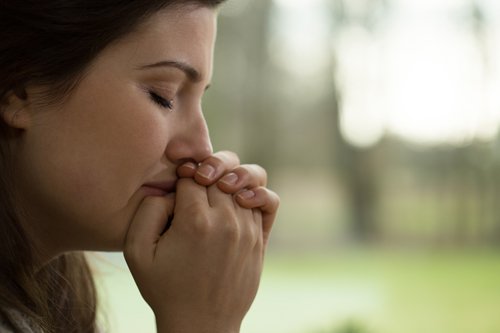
column 162, row 102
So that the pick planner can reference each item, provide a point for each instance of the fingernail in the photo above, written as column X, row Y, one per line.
column 206, row 171
column 190, row 165
column 230, row 178
column 247, row 194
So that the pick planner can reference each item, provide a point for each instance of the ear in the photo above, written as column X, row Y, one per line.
column 15, row 111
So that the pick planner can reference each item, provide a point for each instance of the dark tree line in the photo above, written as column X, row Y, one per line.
column 253, row 102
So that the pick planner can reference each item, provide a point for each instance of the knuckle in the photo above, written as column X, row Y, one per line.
column 242, row 172
column 251, row 235
column 214, row 160
column 262, row 194
column 226, row 157
column 252, row 173
column 231, row 234
column 256, row 172
column 231, row 156
column 231, row 230
column 260, row 169
column 271, row 196
column 201, row 226
column 275, row 198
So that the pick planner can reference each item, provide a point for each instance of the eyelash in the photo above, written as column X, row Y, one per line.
column 162, row 102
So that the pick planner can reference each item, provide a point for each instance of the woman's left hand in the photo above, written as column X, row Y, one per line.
column 246, row 182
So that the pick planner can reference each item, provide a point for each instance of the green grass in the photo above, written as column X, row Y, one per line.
column 355, row 292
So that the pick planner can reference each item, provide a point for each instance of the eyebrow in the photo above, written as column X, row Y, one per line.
column 189, row 70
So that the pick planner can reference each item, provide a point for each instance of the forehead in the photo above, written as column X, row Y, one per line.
column 185, row 34
column 186, row 23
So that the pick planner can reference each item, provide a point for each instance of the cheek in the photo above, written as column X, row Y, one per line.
column 119, row 156
column 87, row 165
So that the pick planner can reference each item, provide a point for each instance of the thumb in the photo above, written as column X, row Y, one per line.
column 146, row 228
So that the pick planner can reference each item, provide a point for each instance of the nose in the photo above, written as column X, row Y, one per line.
column 191, row 140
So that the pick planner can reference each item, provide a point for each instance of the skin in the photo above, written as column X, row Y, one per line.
column 85, row 169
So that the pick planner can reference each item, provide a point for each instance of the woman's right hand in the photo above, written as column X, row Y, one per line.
column 201, row 275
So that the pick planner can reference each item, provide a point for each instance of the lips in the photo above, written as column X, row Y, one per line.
column 160, row 188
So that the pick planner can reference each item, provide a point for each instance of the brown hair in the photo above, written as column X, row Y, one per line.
column 50, row 43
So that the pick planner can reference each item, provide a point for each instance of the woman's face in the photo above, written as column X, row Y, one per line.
column 87, row 163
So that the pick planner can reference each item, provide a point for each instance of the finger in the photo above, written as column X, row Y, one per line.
column 260, row 197
column 214, row 167
column 243, row 176
column 146, row 228
column 187, row 170
column 217, row 198
column 265, row 200
column 190, row 195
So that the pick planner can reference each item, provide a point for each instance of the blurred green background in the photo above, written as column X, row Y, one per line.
column 377, row 121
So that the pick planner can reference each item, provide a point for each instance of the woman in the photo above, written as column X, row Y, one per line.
column 104, row 147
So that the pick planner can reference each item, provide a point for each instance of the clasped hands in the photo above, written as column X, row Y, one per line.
column 202, row 275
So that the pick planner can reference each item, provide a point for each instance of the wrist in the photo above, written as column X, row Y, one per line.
column 193, row 325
